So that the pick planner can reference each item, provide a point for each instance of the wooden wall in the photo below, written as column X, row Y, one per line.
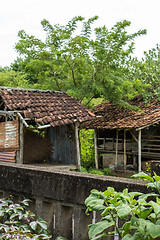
column 63, row 147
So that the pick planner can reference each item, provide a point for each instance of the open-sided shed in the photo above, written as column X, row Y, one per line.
column 25, row 113
column 126, row 134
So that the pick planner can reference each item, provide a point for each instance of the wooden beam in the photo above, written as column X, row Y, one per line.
column 78, row 157
column 10, row 113
column 6, row 113
column 139, row 150
column 44, row 126
column 96, row 149
column 22, row 120
column 133, row 136
column 125, row 158
column 116, row 159
column 19, row 157
column 140, row 128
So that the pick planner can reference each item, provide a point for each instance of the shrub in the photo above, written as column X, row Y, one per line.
column 140, row 213
column 87, row 148
column 17, row 222
column 104, row 171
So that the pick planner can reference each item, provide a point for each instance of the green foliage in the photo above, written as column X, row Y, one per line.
column 11, row 78
column 72, row 60
column 112, row 51
column 95, row 171
column 140, row 212
column 104, row 171
column 35, row 129
column 147, row 72
column 17, row 222
column 88, row 153
column 154, row 181
column 87, row 148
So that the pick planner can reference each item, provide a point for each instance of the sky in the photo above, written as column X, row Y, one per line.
column 16, row 15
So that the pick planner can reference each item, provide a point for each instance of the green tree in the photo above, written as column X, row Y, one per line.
column 112, row 55
column 84, row 62
column 11, row 78
column 148, row 72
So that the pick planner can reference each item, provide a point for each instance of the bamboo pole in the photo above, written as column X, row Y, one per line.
column 125, row 159
column 116, row 159
column 139, row 150
column 22, row 120
column 96, row 149
column 21, row 144
column 78, row 157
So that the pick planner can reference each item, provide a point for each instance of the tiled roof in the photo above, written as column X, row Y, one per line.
column 114, row 117
column 45, row 107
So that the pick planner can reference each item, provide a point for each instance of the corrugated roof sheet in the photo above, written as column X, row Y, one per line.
column 8, row 156
column 45, row 107
column 114, row 117
column 9, row 135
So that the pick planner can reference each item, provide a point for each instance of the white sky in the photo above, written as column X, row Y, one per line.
column 16, row 15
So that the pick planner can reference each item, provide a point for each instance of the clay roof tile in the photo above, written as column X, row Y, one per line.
column 56, row 108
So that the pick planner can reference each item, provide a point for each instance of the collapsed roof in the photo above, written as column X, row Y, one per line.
column 44, row 106
column 110, row 116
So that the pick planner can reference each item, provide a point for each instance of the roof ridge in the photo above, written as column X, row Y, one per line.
column 30, row 89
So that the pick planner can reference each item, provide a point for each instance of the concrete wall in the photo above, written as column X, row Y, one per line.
column 59, row 196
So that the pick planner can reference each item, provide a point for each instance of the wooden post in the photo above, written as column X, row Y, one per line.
column 125, row 159
column 21, row 144
column 78, row 157
column 95, row 147
column 139, row 150
column 116, row 159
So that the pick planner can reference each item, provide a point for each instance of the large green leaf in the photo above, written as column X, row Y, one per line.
column 98, row 207
column 99, row 227
column 153, row 230
column 155, row 206
column 93, row 200
column 126, row 227
column 156, row 177
column 134, row 194
column 123, row 210
column 138, row 236
column 145, row 196
column 143, row 176
column 151, row 185
column 33, row 225
column 145, row 213
column 109, row 191
column 152, row 217
column 158, row 185
column 43, row 225
column 134, row 220
column 99, row 236
column 127, row 237
column 97, row 193
column 107, row 209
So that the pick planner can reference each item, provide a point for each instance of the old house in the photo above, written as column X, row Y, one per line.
column 127, row 135
column 39, row 125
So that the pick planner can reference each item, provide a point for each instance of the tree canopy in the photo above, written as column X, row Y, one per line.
column 86, row 62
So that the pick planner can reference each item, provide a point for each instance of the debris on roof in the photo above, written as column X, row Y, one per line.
column 115, row 117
